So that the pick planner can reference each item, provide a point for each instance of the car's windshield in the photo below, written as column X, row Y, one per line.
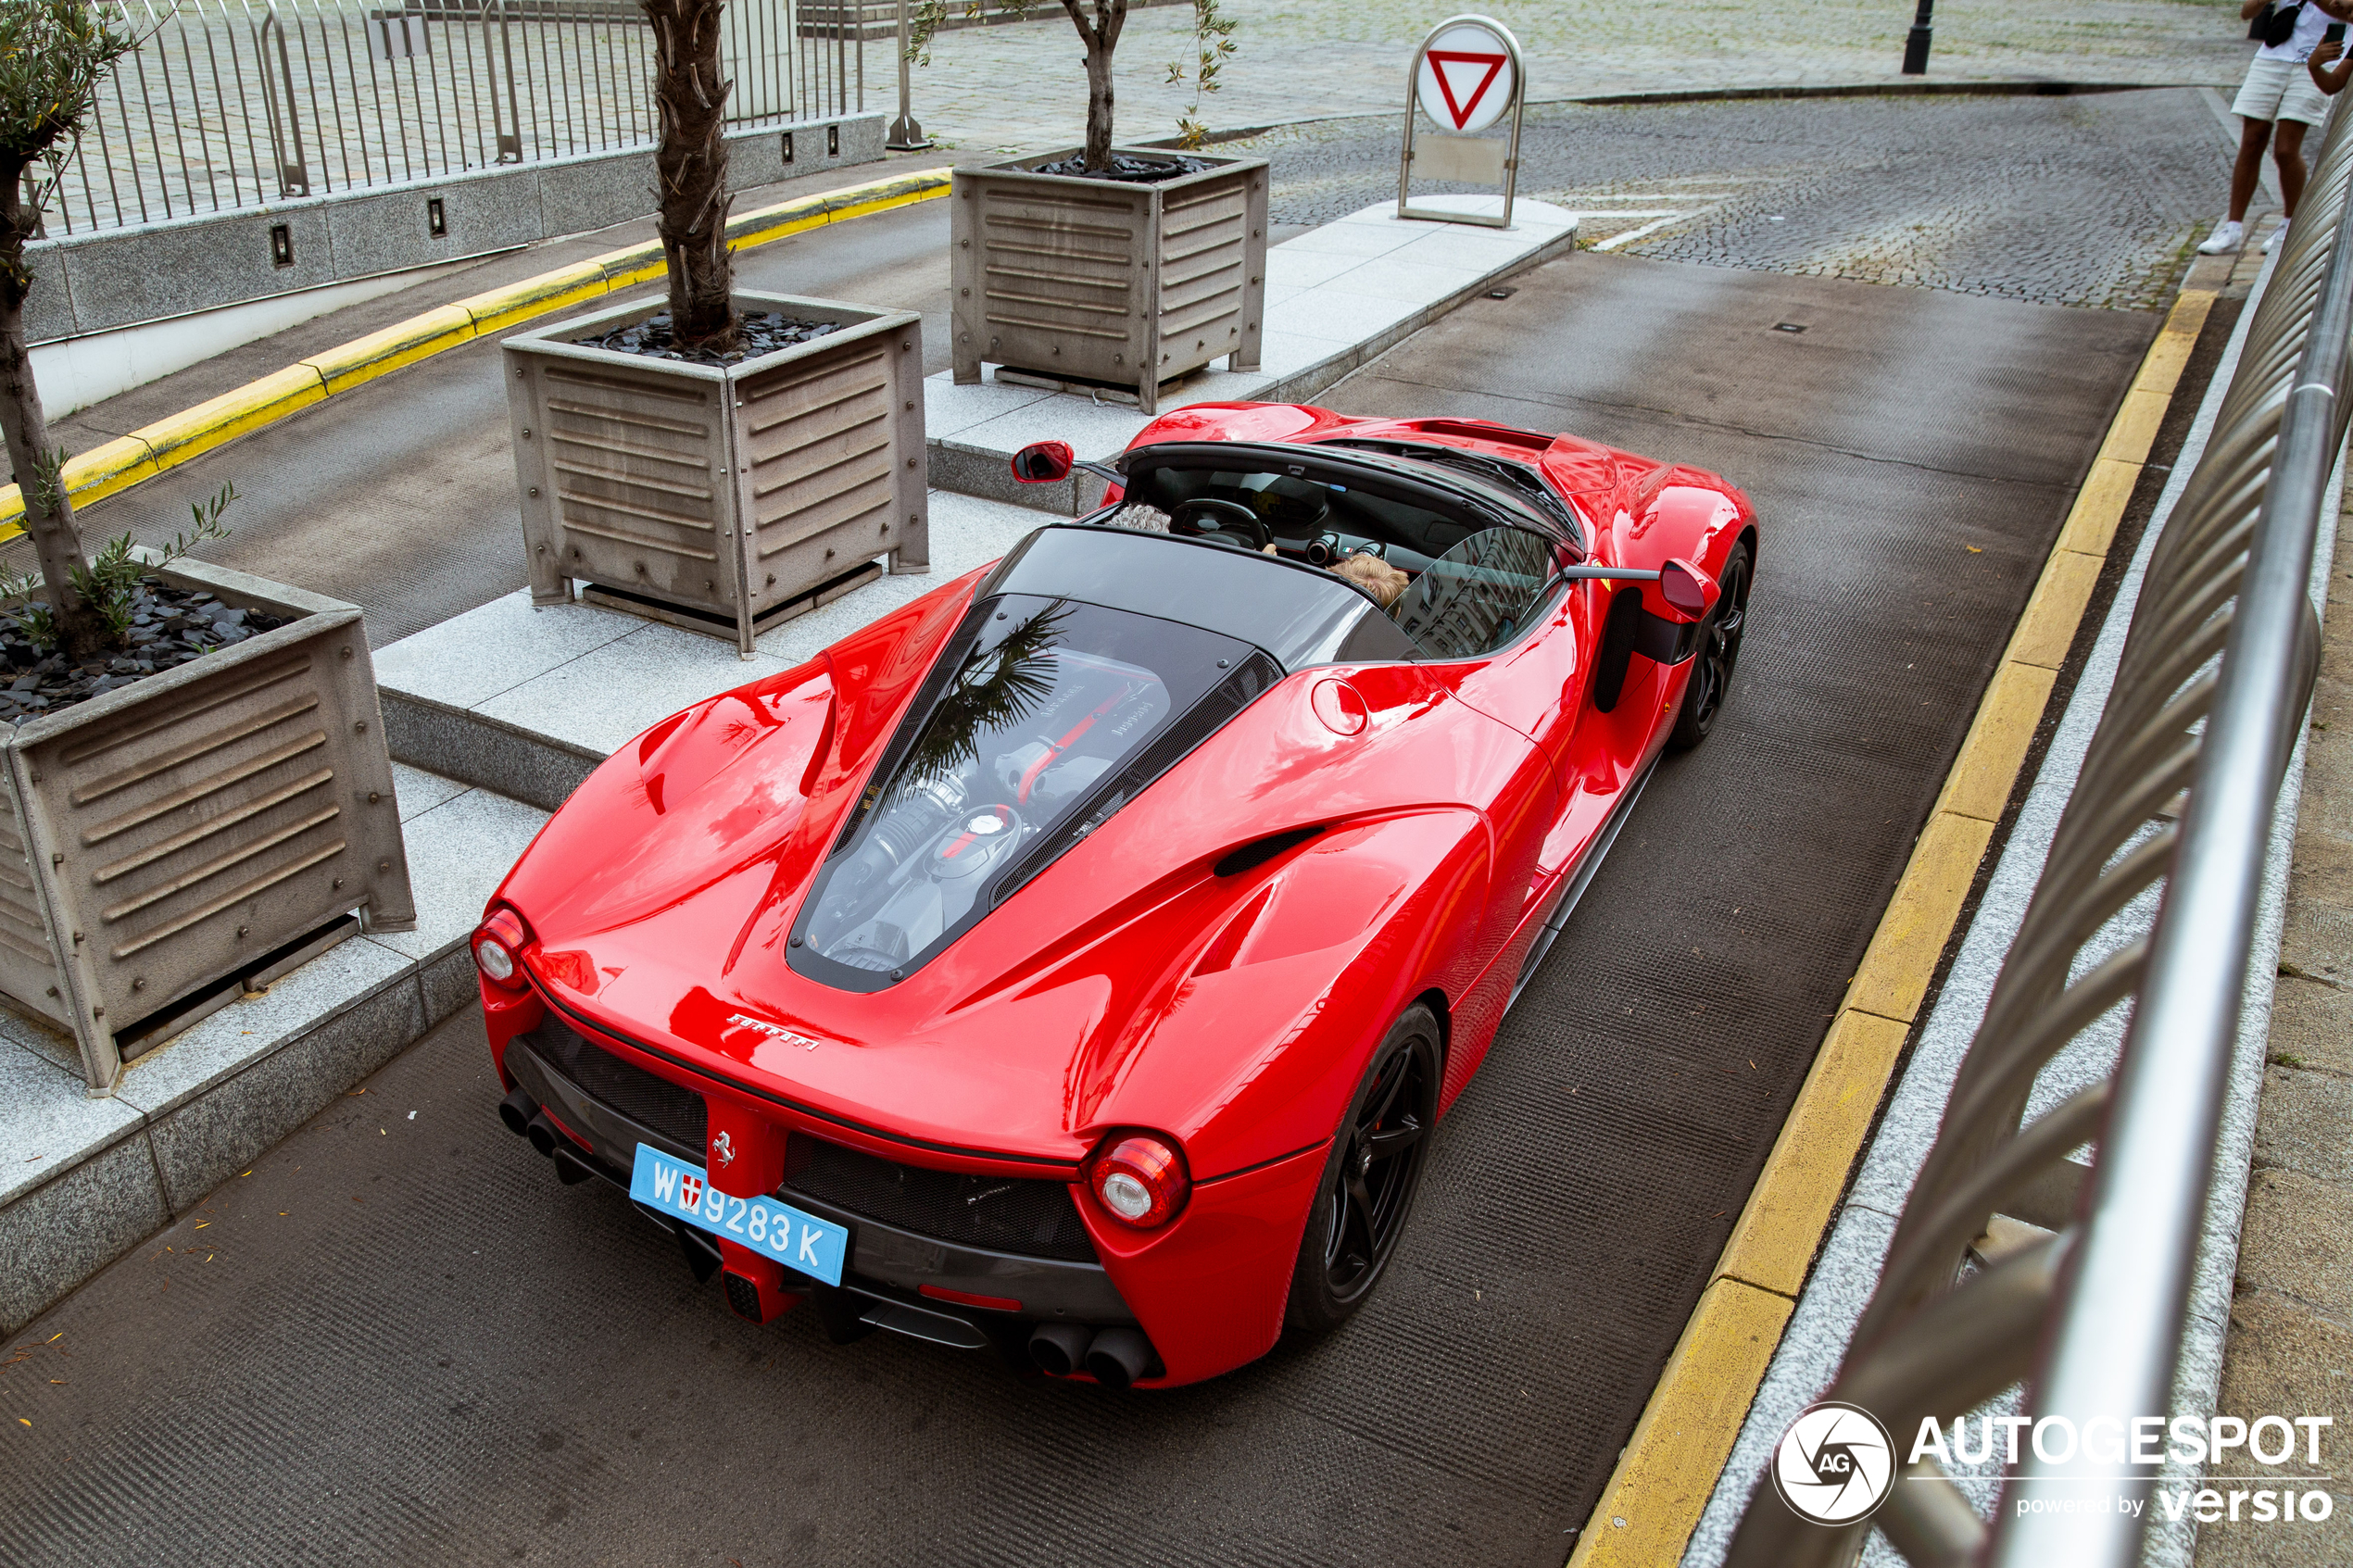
column 1036, row 726
column 1299, row 513
column 1453, row 574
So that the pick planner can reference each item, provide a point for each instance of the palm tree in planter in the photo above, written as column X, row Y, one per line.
column 717, row 459
column 1108, row 267
column 194, row 783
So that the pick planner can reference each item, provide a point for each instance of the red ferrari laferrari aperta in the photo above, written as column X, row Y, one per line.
column 1080, row 959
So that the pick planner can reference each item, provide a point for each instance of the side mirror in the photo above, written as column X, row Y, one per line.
column 1043, row 462
column 1690, row 591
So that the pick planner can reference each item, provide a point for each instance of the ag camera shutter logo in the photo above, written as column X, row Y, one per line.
column 1835, row 1464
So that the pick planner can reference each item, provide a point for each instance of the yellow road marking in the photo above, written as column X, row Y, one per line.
column 149, row 451
column 1671, row 1464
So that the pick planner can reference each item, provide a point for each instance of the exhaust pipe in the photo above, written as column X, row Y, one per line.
column 1119, row 1357
column 571, row 1168
column 516, row 1110
column 543, row 1135
column 1059, row 1349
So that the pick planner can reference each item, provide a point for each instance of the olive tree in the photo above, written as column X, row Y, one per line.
column 54, row 55
column 690, row 162
column 1100, row 23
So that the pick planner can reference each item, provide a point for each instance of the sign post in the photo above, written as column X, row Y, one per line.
column 906, row 135
column 1466, row 76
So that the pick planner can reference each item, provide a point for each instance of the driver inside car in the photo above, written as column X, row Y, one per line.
column 1288, row 514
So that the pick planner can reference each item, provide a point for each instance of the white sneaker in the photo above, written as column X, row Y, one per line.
column 2227, row 236
column 2275, row 236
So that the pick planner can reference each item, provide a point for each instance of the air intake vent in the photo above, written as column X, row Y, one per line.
column 650, row 1100
column 1030, row 1218
column 1251, row 680
column 1259, row 851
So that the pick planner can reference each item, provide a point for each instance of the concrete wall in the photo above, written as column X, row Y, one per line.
column 98, row 282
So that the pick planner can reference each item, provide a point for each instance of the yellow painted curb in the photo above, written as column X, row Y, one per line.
column 1904, row 950
column 1646, row 1514
column 2000, row 738
column 518, row 303
column 1773, row 1245
column 419, row 337
column 182, row 435
column 147, row 451
column 1671, row 1464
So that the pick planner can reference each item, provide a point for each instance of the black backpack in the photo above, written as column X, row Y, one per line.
column 2274, row 24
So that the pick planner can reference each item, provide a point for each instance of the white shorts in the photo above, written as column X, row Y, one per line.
column 2280, row 89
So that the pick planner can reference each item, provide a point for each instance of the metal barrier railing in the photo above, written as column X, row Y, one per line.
column 2210, row 693
column 232, row 104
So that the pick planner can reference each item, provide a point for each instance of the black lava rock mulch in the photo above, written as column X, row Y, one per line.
column 1130, row 170
column 169, row 627
column 758, row 335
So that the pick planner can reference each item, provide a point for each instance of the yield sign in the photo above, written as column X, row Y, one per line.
column 1465, row 81
column 1454, row 64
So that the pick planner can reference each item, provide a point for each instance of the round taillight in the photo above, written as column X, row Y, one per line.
column 498, row 944
column 1140, row 1178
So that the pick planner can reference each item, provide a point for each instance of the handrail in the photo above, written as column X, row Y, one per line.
column 2210, row 693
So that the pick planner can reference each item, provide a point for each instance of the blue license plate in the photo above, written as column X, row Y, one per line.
column 814, row 1246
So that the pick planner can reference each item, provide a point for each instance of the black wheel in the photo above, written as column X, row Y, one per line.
column 1720, row 650
column 1369, row 1178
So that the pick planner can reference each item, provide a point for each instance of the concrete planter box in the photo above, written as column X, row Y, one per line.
column 1098, row 280
column 212, row 821
column 727, row 499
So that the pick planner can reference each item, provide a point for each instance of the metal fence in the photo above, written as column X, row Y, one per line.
column 2210, row 696
column 230, row 104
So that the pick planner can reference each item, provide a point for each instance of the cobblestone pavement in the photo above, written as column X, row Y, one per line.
column 1022, row 85
column 2089, row 199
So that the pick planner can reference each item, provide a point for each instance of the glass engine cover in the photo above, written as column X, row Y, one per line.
column 1037, row 725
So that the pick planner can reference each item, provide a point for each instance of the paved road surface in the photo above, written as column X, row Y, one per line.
column 399, row 1340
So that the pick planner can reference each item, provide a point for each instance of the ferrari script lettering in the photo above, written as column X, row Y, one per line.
column 773, row 1030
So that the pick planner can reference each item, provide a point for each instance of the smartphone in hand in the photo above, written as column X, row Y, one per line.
column 2336, row 33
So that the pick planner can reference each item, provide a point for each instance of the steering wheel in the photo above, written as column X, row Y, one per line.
column 1223, row 516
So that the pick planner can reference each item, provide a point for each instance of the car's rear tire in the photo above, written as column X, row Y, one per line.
column 1370, row 1177
column 1720, row 651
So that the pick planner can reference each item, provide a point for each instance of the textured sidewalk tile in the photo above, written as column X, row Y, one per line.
column 61, row 1235
column 225, row 1044
column 2306, row 1125
column 1294, row 267
column 48, row 1123
column 2299, row 1240
column 1407, row 277
column 1287, row 353
column 950, row 409
column 514, row 764
column 1378, row 236
column 1333, row 311
column 419, row 792
column 2313, row 1023
column 620, row 689
column 474, row 657
column 2280, row 1355
column 1093, row 429
column 458, row 852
